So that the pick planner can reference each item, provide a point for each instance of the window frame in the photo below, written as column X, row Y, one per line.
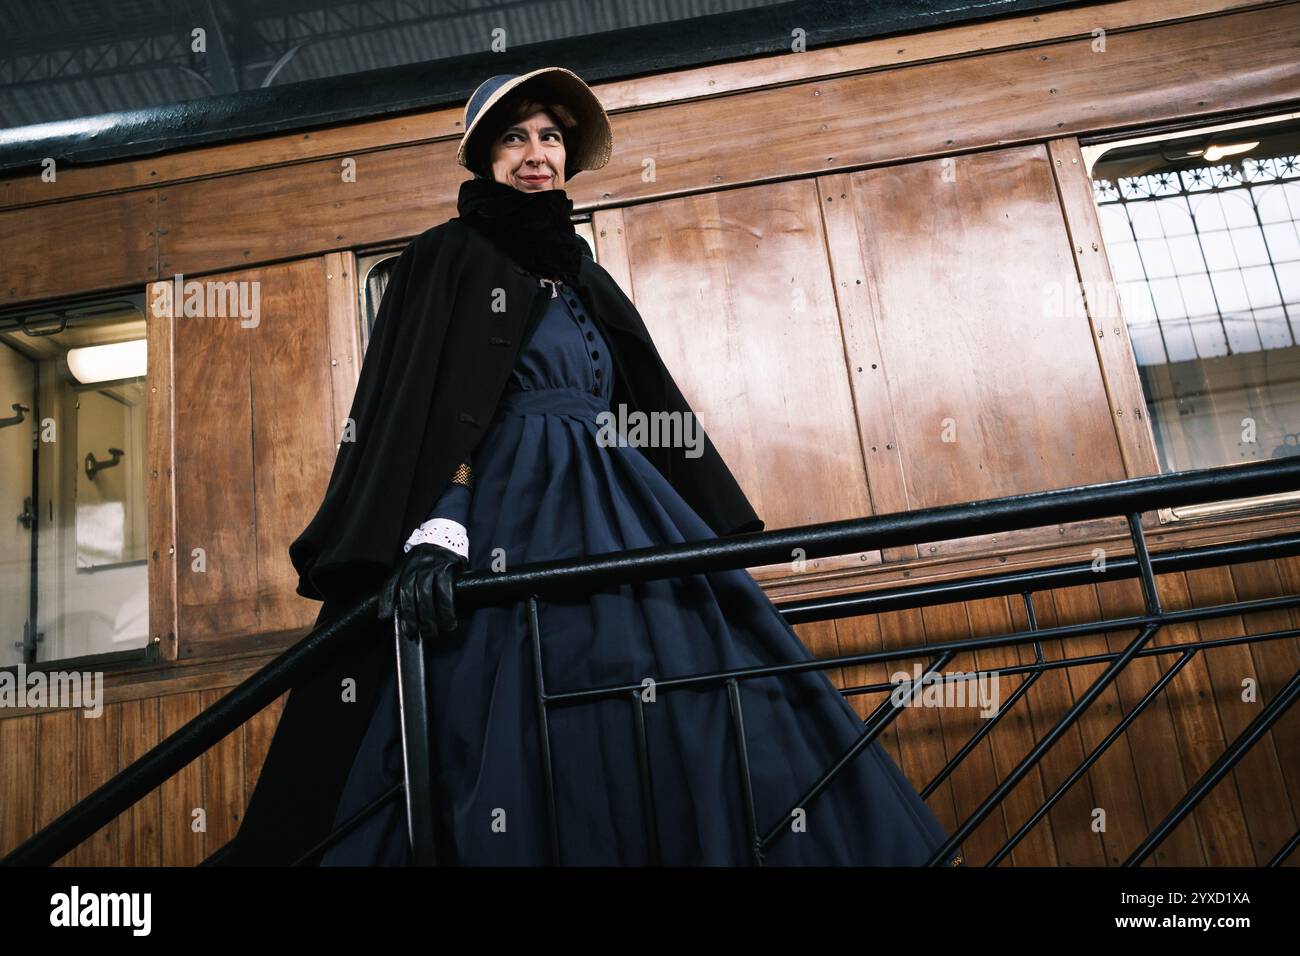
column 1091, row 150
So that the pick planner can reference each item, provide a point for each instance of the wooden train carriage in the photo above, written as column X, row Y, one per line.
column 912, row 269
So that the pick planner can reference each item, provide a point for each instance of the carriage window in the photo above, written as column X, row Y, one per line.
column 73, row 555
column 375, row 271
column 1201, row 232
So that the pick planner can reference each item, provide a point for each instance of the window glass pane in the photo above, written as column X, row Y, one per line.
column 1216, row 250
column 73, row 565
column 1176, row 219
column 1157, row 262
column 1283, row 242
column 1185, row 253
column 1126, row 262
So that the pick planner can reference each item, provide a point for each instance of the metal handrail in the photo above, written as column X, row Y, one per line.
column 1129, row 497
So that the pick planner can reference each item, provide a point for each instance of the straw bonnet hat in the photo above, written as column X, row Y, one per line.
column 587, row 136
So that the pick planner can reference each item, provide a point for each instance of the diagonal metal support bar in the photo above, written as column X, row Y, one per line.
column 1041, row 748
column 874, row 726
column 1036, row 671
column 1287, row 849
column 1227, row 760
column 1092, row 758
column 983, row 732
column 354, row 821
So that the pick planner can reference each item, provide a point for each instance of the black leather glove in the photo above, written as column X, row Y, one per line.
column 420, row 591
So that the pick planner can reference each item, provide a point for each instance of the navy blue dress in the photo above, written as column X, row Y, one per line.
column 547, row 487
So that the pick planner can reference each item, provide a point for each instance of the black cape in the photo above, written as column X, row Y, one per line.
column 451, row 324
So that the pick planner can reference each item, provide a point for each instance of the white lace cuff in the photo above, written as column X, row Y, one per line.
column 450, row 534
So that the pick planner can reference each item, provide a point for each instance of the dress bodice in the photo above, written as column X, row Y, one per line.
column 566, row 351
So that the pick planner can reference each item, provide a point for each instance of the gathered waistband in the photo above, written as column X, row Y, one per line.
column 553, row 401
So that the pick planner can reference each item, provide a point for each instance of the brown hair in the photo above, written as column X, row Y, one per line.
column 524, row 108
column 511, row 111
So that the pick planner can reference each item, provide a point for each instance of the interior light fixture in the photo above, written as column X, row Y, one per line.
column 1215, row 153
column 108, row 363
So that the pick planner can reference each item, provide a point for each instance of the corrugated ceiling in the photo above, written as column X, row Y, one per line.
column 72, row 58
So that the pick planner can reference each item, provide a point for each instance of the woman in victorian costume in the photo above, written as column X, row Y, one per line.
column 498, row 343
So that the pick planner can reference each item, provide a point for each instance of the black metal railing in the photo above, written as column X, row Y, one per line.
column 1127, row 499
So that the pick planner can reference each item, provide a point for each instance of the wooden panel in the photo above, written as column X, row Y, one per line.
column 1070, row 819
column 713, row 80
column 72, row 247
column 51, row 761
column 1111, row 778
column 181, row 793
column 141, row 822
column 1012, row 739
column 610, row 232
column 957, row 725
column 223, row 783
column 1275, row 661
column 1180, row 717
column 922, row 750
column 1109, row 331
column 1220, row 816
column 861, row 635
column 1161, row 777
column 288, row 211
column 160, row 446
column 17, row 778
column 1288, row 573
column 343, row 327
column 97, row 763
column 254, row 448
column 56, row 776
column 962, row 268
column 735, row 290
column 858, row 302
column 293, row 441
column 216, row 578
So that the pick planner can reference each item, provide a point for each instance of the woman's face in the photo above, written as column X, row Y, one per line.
column 529, row 155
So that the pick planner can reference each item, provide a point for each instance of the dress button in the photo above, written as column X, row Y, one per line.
column 590, row 335
column 595, row 355
column 597, row 373
column 582, row 318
